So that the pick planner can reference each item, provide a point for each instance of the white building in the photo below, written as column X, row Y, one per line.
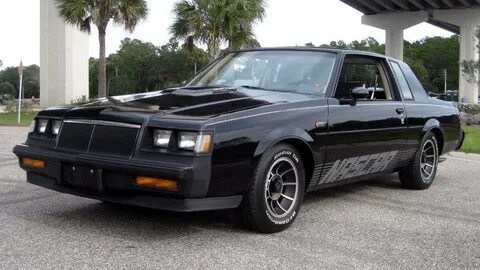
column 63, row 59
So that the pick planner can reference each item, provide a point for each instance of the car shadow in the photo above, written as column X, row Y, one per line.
column 145, row 225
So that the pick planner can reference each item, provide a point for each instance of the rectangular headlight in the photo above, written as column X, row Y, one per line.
column 42, row 125
column 193, row 141
column 161, row 138
column 56, row 124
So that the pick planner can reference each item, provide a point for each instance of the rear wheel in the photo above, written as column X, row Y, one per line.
column 421, row 171
column 275, row 195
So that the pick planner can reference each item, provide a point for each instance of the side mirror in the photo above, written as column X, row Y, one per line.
column 359, row 93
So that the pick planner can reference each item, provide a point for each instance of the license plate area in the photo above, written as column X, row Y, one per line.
column 83, row 177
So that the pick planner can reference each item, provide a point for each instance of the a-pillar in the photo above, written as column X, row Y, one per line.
column 467, row 20
column 394, row 24
column 63, row 59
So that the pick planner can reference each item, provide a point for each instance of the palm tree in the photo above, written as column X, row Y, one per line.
column 215, row 21
column 84, row 13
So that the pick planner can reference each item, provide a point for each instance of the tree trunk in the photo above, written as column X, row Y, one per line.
column 102, row 65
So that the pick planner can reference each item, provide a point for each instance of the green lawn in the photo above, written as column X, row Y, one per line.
column 10, row 119
column 472, row 139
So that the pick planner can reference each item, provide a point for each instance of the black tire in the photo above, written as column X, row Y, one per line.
column 268, row 195
column 421, row 171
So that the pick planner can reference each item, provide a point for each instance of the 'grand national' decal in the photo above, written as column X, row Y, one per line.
column 358, row 166
column 355, row 166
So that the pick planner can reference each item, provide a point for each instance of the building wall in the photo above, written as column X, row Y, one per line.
column 63, row 59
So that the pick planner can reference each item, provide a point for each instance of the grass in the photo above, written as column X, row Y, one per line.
column 472, row 139
column 10, row 119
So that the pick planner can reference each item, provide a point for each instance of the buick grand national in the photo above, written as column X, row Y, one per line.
column 253, row 131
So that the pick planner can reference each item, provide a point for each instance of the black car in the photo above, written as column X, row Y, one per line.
column 253, row 131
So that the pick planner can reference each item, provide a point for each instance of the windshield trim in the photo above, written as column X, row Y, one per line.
column 325, row 93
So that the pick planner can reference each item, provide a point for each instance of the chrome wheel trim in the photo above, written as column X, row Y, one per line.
column 281, row 188
column 428, row 160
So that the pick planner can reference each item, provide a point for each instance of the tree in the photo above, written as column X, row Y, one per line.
column 141, row 66
column 212, row 22
column 7, row 88
column 31, row 81
column 427, row 51
column 10, row 74
column 134, row 67
column 83, row 13
column 471, row 68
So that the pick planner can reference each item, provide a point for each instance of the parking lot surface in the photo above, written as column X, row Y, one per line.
column 374, row 224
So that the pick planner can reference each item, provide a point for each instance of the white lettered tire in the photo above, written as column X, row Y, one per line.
column 275, row 195
column 421, row 171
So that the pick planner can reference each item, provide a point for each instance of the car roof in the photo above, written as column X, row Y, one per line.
column 318, row 49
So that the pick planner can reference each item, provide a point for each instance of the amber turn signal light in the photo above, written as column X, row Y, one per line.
column 156, row 183
column 34, row 163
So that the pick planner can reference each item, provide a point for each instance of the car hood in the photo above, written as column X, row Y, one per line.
column 186, row 102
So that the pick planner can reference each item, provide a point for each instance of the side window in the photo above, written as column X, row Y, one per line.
column 402, row 82
column 363, row 72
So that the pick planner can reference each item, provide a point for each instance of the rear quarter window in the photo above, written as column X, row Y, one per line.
column 415, row 86
column 402, row 81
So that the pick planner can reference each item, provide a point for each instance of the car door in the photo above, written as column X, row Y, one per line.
column 365, row 136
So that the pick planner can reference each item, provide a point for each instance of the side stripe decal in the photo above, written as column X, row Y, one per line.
column 358, row 166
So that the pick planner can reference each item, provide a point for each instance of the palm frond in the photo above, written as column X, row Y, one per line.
column 75, row 12
column 130, row 12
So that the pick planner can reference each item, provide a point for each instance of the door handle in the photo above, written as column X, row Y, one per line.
column 401, row 112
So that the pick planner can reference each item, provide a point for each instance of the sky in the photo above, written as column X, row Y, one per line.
column 287, row 23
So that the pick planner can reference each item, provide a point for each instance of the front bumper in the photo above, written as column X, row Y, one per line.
column 113, row 180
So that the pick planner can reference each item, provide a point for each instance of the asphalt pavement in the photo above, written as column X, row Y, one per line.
column 369, row 225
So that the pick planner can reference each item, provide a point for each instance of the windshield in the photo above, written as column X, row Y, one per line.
column 293, row 71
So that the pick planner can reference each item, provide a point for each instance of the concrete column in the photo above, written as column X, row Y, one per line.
column 394, row 24
column 467, row 20
column 394, row 43
column 468, row 92
column 63, row 59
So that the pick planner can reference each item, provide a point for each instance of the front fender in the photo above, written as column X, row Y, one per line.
column 281, row 134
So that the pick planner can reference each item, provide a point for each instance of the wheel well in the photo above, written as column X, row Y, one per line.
column 439, row 135
column 306, row 155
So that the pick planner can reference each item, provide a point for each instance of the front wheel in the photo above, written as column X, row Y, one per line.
column 275, row 195
column 423, row 167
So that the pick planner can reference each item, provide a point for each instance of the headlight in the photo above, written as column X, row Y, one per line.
column 56, row 124
column 199, row 143
column 161, row 138
column 42, row 125
column 31, row 129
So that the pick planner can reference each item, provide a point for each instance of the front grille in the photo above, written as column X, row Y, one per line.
column 75, row 137
column 98, row 137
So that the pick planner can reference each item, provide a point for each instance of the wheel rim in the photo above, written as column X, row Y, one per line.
column 428, row 160
column 281, row 187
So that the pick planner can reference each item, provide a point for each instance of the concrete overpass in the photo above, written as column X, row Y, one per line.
column 394, row 16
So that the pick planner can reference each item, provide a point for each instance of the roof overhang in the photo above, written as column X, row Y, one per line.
column 373, row 7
